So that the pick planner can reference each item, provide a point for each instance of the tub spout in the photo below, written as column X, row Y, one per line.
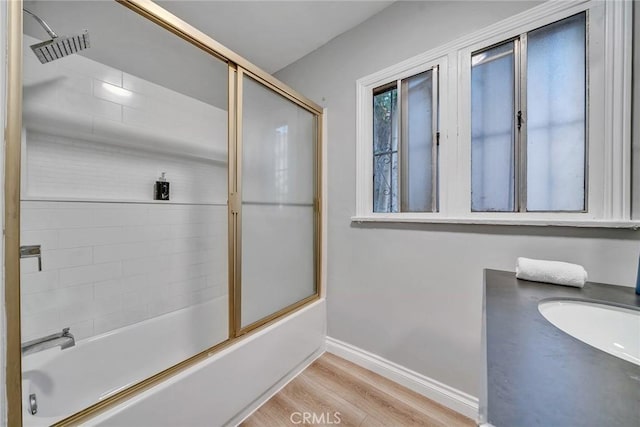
column 62, row 339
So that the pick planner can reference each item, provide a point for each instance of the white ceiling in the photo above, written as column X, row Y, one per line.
column 274, row 34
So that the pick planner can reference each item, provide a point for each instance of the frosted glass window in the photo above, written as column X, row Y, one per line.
column 420, row 163
column 556, row 116
column 549, row 131
column 492, row 130
column 385, row 151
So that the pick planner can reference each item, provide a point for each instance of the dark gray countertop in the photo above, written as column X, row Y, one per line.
column 537, row 375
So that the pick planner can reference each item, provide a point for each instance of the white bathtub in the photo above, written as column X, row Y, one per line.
column 220, row 390
column 66, row 381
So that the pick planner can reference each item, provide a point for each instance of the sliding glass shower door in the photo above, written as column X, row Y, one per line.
column 278, row 210
column 163, row 199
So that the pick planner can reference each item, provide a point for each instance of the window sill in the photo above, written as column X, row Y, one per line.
column 549, row 222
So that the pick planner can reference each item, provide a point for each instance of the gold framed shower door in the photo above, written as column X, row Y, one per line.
column 237, row 68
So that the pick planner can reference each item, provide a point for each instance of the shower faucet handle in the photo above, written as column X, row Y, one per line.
column 32, row 251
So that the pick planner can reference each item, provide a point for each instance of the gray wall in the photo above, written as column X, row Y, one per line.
column 413, row 293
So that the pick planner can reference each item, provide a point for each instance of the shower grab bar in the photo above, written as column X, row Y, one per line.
column 32, row 251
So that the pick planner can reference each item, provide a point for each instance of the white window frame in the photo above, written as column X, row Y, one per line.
column 383, row 79
column 609, row 117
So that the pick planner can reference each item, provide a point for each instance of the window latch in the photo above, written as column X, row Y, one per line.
column 519, row 118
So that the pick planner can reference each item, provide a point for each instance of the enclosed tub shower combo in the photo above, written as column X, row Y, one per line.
column 163, row 220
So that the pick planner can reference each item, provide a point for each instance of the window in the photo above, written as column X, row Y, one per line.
column 528, row 117
column 405, row 144
column 527, row 121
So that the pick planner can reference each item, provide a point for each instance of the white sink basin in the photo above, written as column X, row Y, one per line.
column 615, row 330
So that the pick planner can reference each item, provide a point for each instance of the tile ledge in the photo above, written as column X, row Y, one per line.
column 116, row 201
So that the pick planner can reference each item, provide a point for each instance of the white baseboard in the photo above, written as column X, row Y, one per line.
column 450, row 397
column 256, row 404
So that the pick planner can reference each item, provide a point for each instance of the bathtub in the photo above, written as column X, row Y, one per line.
column 220, row 390
column 66, row 381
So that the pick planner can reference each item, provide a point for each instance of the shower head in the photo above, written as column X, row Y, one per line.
column 57, row 47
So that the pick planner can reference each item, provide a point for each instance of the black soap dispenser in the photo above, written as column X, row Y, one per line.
column 162, row 188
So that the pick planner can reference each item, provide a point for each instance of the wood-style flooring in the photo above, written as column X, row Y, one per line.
column 332, row 385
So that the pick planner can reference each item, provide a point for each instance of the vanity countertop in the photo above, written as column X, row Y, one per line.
column 537, row 375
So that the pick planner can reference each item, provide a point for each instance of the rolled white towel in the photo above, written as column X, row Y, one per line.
column 556, row 272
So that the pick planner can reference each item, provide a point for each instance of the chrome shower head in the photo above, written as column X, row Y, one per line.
column 57, row 47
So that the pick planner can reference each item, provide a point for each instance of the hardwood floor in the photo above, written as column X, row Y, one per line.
column 333, row 391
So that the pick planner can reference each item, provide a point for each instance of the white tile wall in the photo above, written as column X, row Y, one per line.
column 82, row 98
column 107, row 265
column 63, row 167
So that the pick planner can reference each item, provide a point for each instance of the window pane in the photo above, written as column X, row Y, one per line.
column 385, row 149
column 556, row 117
column 385, row 183
column 492, row 129
column 420, row 161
